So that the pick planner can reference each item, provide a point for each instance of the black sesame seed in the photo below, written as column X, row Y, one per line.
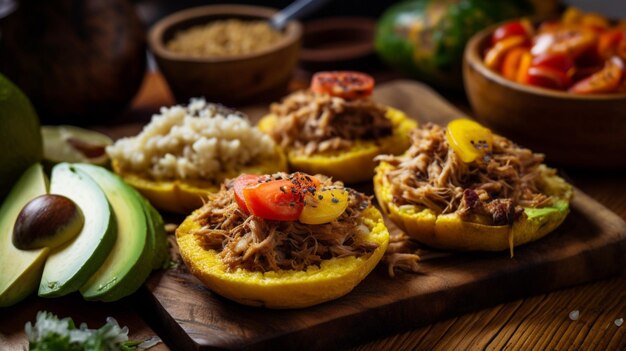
column 321, row 197
column 335, row 200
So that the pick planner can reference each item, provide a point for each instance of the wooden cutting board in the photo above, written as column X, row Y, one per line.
column 590, row 245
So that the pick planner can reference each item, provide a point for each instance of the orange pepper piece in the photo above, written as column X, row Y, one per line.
column 522, row 71
column 495, row 55
column 512, row 61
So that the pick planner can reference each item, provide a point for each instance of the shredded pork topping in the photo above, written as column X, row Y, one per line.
column 310, row 122
column 492, row 190
column 256, row 244
column 401, row 254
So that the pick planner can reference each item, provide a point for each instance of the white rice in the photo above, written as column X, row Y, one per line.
column 198, row 141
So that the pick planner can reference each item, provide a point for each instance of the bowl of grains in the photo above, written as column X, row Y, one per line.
column 226, row 53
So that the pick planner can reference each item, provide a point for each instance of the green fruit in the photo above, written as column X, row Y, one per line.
column 157, row 228
column 426, row 38
column 74, row 144
column 20, row 138
column 47, row 221
column 20, row 271
column 71, row 265
column 130, row 261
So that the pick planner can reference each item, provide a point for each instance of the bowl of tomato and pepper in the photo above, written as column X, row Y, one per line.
column 557, row 86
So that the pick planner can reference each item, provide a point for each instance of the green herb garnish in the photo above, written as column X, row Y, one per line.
column 53, row 334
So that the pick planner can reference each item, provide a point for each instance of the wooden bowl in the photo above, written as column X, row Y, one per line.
column 231, row 80
column 572, row 130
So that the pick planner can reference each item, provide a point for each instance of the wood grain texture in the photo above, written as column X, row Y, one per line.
column 590, row 245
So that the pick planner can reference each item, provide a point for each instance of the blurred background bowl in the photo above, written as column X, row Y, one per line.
column 338, row 43
column 233, row 80
column 572, row 130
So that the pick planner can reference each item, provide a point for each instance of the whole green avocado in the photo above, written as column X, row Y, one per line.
column 426, row 38
column 20, row 137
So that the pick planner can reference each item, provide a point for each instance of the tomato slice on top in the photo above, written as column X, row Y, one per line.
column 344, row 84
column 276, row 200
column 295, row 197
column 305, row 183
column 241, row 182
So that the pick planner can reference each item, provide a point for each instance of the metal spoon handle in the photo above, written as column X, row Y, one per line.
column 295, row 10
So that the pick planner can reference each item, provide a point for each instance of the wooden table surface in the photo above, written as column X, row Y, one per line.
column 535, row 323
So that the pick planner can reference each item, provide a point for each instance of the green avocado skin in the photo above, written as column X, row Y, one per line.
column 156, row 227
column 426, row 38
column 20, row 137
column 20, row 270
column 69, row 266
column 141, row 219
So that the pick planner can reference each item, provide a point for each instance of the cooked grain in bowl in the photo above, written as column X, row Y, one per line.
column 224, row 38
column 198, row 141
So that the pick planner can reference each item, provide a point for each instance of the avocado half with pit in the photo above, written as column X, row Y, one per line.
column 449, row 231
column 357, row 163
column 68, row 267
column 121, row 240
column 184, row 196
column 283, row 289
column 20, row 270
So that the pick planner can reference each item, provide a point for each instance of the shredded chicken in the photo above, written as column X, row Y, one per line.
column 256, row 244
column 310, row 122
column 401, row 254
column 494, row 189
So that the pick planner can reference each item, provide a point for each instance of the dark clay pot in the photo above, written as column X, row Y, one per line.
column 79, row 61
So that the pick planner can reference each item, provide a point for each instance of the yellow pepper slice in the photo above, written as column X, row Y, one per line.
column 324, row 206
column 469, row 139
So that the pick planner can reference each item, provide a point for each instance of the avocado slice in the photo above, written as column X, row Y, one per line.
column 20, row 270
column 157, row 229
column 70, row 266
column 130, row 261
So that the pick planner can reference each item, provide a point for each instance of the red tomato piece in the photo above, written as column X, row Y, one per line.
column 276, row 200
column 569, row 41
column 510, row 29
column 547, row 77
column 345, row 84
column 605, row 81
column 558, row 61
column 304, row 182
column 241, row 182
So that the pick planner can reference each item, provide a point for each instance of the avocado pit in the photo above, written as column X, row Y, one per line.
column 47, row 221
